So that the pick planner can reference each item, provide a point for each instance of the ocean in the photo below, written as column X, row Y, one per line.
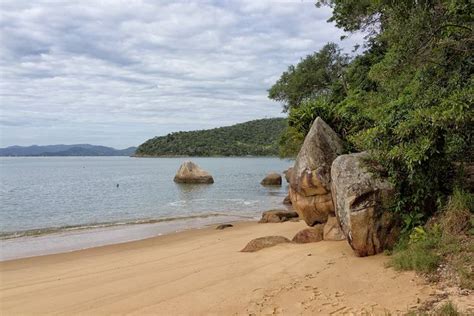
column 57, row 204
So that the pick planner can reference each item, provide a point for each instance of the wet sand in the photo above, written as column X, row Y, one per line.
column 202, row 272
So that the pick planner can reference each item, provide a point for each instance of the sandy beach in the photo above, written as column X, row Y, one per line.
column 202, row 272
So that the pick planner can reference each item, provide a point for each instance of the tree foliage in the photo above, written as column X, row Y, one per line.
column 254, row 138
column 408, row 98
column 315, row 75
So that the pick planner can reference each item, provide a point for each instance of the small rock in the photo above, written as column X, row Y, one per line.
column 264, row 242
column 277, row 216
column 224, row 226
column 287, row 200
column 311, row 234
column 272, row 179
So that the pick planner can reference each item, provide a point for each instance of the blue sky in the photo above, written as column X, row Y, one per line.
column 119, row 72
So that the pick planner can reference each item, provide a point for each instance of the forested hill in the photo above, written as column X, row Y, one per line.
column 65, row 150
column 254, row 138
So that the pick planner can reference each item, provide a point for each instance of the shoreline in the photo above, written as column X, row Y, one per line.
column 70, row 239
column 202, row 271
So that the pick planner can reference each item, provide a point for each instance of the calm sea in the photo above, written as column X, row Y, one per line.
column 53, row 204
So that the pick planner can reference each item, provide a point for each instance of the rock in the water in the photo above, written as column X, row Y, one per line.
column 224, row 226
column 362, row 200
column 310, row 234
column 264, row 242
column 272, row 179
column 189, row 172
column 288, row 172
column 310, row 179
column 332, row 230
column 277, row 216
column 287, row 200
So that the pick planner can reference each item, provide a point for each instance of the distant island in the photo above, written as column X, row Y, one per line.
column 65, row 150
column 253, row 138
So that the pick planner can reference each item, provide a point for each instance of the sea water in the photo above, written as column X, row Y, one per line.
column 55, row 204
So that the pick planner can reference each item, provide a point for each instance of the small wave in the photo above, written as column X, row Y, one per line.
column 68, row 228
column 196, row 201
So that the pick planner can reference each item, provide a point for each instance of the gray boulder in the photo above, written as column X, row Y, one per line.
column 362, row 200
column 310, row 178
column 189, row 172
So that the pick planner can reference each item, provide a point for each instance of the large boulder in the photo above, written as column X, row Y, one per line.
column 332, row 230
column 272, row 178
column 310, row 234
column 310, row 178
column 362, row 202
column 189, row 172
column 277, row 216
column 264, row 242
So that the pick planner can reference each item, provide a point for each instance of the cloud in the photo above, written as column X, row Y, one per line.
column 120, row 72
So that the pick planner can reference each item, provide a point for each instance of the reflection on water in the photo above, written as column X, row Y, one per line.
column 188, row 189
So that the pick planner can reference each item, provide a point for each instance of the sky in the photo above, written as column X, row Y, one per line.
column 118, row 72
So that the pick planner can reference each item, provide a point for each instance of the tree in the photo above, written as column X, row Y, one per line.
column 313, row 76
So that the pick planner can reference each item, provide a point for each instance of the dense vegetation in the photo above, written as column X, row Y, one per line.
column 407, row 99
column 254, row 138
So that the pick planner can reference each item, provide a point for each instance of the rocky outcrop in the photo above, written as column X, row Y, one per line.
column 264, row 242
column 362, row 201
column 287, row 200
column 332, row 230
column 310, row 234
column 310, row 178
column 189, row 172
column 271, row 179
column 277, row 216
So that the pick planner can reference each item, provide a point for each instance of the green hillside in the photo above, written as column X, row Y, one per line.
column 255, row 138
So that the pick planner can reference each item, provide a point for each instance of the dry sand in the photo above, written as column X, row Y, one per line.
column 202, row 272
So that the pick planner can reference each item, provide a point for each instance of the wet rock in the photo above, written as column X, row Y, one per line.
column 264, row 242
column 224, row 226
column 189, row 172
column 272, row 179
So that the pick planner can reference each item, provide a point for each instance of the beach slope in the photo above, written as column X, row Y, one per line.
column 202, row 272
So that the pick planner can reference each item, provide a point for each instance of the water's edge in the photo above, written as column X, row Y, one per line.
column 70, row 239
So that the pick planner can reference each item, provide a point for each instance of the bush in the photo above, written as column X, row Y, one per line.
column 448, row 309
column 418, row 252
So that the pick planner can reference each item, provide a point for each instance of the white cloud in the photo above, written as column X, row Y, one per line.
column 119, row 72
